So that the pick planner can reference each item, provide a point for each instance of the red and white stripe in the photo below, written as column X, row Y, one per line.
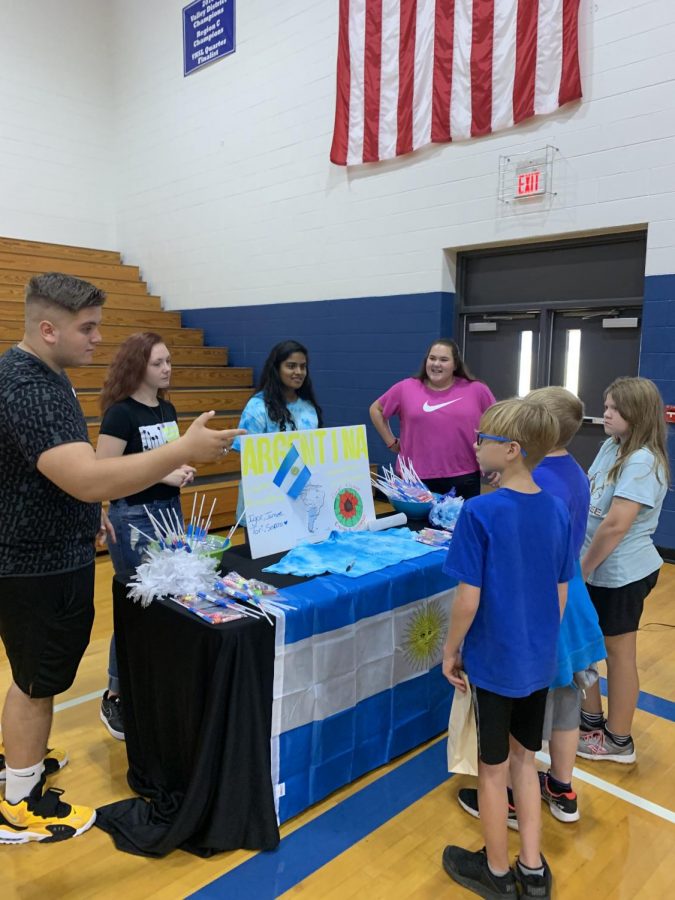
column 416, row 72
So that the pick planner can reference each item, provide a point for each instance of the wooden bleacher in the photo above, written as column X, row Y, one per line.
column 201, row 377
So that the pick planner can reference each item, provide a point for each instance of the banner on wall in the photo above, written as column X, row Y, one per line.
column 301, row 485
column 208, row 32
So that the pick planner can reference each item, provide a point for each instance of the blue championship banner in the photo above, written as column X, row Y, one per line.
column 208, row 32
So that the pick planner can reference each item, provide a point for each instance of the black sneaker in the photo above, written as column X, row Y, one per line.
column 534, row 885
column 468, row 800
column 563, row 807
column 111, row 715
column 471, row 870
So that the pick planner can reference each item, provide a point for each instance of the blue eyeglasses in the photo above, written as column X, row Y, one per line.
column 480, row 437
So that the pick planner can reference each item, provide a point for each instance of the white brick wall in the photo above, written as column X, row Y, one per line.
column 219, row 184
column 56, row 176
column 229, row 197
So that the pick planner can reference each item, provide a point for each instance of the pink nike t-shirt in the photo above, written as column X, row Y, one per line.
column 438, row 428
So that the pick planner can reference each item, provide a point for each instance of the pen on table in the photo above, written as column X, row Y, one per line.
column 350, row 566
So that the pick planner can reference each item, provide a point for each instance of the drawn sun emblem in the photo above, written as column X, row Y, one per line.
column 424, row 635
column 348, row 507
column 295, row 470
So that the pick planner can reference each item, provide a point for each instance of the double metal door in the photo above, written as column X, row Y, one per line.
column 584, row 350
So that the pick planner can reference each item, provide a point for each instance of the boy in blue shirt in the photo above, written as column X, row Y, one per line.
column 512, row 555
column 581, row 642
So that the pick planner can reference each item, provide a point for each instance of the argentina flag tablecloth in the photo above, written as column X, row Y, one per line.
column 357, row 677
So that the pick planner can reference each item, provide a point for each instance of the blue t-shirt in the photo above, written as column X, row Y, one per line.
column 516, row 548
column 563, row 477
column 642, row 480
column 581, row 642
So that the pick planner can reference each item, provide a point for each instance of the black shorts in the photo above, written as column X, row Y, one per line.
column 45, row 624
column 498, row 717
column 620, row 608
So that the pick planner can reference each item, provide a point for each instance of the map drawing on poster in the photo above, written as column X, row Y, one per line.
column 301, row 485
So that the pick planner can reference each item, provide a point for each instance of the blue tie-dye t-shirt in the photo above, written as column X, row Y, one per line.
column 256, row 420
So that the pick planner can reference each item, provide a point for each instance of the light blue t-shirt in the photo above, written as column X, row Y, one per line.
column 256, row 420
column 636, row 556
column 517, row 548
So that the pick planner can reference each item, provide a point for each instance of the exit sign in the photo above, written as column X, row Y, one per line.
column 530, row 182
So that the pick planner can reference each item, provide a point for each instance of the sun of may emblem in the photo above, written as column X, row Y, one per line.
column 348, row 507
column 424, row 635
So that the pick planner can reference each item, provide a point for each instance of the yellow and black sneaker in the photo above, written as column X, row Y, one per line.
column 42, row 816
column 54, row 760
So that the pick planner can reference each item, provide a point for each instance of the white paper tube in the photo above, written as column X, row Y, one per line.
column 388, row 522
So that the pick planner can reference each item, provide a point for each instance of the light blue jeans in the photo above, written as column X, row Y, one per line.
column 127, row 553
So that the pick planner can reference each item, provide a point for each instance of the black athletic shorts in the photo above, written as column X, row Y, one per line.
column 45, row 624
column 499, row 717
column 620, row 608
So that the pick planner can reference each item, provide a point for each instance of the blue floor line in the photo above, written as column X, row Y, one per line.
column 268, row 875
column 657, row 706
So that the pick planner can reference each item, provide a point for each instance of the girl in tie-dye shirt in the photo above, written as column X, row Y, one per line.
column 285, row 399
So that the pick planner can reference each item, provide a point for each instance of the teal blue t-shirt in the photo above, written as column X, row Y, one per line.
column 642, row 481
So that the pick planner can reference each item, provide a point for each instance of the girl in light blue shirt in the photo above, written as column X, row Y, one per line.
column 285, row 399
column 629, row 480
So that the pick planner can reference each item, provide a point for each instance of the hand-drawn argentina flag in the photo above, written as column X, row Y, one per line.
column 357, row 677
column 292, row 475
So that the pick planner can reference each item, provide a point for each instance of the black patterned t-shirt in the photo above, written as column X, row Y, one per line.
column 43, row 530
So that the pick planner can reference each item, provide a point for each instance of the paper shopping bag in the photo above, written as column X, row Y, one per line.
column 462, row 737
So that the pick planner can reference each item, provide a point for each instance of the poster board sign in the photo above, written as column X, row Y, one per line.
column 208, row 32
column 301, row 485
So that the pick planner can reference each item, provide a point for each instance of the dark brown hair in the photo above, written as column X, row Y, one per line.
column 64, row 291
column 461, row 369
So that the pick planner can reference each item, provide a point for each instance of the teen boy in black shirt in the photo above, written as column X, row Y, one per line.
column 50, row 494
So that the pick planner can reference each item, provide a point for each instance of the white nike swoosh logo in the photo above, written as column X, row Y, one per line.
column 429, row 408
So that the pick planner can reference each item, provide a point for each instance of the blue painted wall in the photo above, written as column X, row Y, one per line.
column 358, row 347
column 361, row 346
column 657, row 361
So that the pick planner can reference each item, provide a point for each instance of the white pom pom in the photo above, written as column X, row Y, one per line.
column 171, row 572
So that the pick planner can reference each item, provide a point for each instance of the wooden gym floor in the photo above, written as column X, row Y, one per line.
column 382, row 836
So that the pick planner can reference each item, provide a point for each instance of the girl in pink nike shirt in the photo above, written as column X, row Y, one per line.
column 439, row 411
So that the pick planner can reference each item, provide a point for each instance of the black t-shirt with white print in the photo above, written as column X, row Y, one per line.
column 143, row 428
column 43, row 530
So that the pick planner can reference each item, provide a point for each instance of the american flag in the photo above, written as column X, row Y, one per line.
column 416, row 72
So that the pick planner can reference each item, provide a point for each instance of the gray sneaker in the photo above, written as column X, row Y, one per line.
column 111, row 715
column 597, row 745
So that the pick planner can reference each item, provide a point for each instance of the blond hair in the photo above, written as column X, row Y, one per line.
column 565, row 406
column 639, row 402
column 526, row 421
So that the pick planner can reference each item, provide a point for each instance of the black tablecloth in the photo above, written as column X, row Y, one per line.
column 197, row 717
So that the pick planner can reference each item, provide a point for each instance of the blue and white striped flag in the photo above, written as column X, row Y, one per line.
column 357, row 676
column 292, row 475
